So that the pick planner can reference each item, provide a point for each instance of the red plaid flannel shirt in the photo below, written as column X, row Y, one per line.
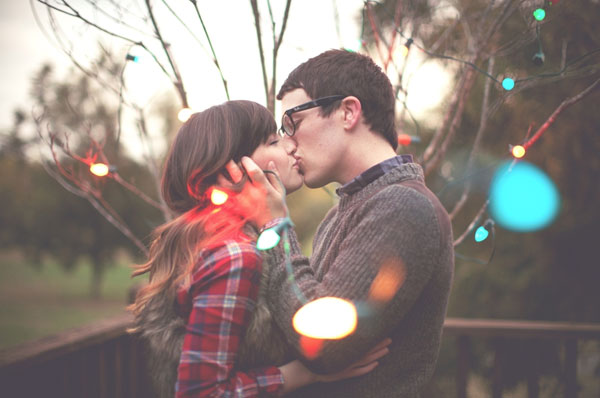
column 219, row 302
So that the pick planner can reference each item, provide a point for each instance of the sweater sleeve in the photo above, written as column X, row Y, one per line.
column 396, row 229
column 223, row 291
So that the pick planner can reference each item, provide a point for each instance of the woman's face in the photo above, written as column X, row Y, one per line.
column 280, row 151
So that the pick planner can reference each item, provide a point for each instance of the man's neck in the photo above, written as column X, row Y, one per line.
column 362, row 155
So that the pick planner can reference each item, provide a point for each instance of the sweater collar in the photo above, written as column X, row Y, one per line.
column 396, row 174
column 373, row 173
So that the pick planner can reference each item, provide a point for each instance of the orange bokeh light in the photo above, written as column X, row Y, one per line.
column 389, row 279
column 310, row 347
column 404, row 139
column 326, row 318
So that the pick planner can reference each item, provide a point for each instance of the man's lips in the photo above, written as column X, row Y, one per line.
column 298, row 165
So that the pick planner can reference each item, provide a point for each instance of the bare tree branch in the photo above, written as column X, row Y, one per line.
column 452, row 104
column 83, row 189
column 473, row 223
column 166, row 47
column 441, row 151
column 78, row 15
column 215, row 60
column 564, row 105
column 477, row 142
column 261, row 53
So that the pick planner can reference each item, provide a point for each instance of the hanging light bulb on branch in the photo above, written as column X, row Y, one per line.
column 101, row 169
column 518, row 151
column 184, row 114
column 405, row 139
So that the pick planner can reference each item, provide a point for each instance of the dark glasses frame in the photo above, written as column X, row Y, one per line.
column 323, row 101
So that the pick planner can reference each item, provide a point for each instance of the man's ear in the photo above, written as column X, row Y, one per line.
column 351, row 111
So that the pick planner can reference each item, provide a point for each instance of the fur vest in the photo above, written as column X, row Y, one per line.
column 163, row 330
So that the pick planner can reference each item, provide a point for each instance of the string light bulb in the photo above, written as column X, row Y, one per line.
column 99, row 169
column 218, row 197
column 184, row 114
column 133, row 58
column 518, row 151
column 481, row 234
column 406, row 48
column 539, row 14
column 539, row 58
column 405, row 139
column 508, row 84
column 483, row 231
column 356, row 46
column 270, row 238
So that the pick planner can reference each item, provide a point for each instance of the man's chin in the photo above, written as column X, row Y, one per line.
column 312, row 184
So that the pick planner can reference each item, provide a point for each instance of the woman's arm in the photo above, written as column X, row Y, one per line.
column 223, row 293
column 296, row 375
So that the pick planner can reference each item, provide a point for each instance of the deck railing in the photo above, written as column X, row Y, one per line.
column 502, row 332
column 102, row 360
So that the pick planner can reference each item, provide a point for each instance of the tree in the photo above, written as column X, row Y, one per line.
column 42, row 217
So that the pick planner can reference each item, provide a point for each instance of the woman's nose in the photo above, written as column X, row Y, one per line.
column 289, row 145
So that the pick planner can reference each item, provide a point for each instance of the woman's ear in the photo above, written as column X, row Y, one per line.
column 351, row 111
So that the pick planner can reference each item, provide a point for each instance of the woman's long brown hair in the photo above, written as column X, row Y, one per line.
column 202, row 148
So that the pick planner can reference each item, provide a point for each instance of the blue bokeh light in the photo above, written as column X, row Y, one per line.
column 523, row 199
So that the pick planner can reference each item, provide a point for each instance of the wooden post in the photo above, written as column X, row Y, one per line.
column 533, row 386
column 462, row 374
column 497, row 373
column 571, row 368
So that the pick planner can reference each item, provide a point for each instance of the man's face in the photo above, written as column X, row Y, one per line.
column 316, row 140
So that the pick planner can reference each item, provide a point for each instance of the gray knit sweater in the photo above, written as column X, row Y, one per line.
column 394, row 220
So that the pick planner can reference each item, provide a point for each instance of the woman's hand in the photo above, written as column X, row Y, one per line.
column 296, row 375
column 262, row 196
column 361, row 367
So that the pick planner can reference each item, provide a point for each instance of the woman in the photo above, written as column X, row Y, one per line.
column 204, row 266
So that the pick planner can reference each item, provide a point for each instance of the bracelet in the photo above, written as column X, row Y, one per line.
column 270, row 224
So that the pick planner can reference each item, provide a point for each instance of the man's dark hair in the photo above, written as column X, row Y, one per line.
column 340, row 72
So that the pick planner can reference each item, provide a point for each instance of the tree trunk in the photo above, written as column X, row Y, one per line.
column 97, row 276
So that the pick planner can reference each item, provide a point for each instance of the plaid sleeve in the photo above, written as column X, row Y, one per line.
column 224, row 290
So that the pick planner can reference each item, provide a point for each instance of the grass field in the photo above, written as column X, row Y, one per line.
column 38, row 302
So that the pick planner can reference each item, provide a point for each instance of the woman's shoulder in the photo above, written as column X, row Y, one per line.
column 237, row 248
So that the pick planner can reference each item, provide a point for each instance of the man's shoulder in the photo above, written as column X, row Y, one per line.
column 395, row 194
column 404, row 201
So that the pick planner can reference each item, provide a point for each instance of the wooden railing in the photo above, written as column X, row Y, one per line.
column 502, row 332
column 102, row 360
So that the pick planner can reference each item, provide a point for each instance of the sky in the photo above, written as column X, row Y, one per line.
column 23, row 49
column 311, row 29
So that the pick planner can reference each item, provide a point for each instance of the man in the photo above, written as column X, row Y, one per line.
column 386, row 246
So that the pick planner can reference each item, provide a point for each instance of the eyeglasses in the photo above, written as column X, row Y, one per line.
column 288, row 127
